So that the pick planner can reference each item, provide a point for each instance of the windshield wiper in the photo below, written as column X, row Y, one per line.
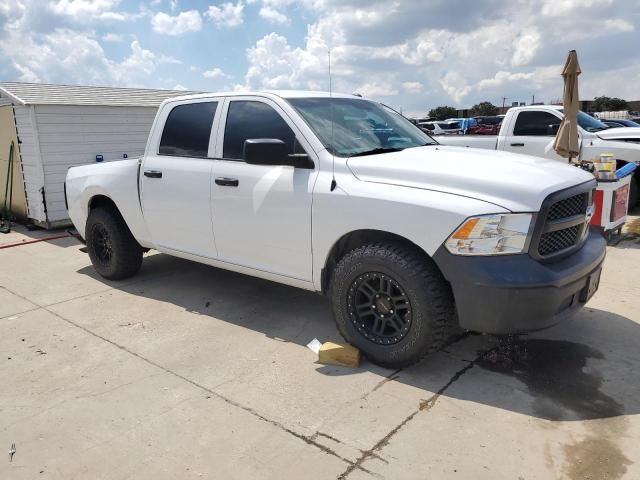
column 375, row 151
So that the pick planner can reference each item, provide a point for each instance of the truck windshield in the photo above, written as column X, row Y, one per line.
column 588, row 123
column 349, row 126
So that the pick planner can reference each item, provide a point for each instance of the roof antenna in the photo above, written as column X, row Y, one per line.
column 333, row 157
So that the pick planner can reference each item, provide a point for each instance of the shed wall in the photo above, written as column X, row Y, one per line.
column 18, row 203
column 30, row 156
column 71, row 135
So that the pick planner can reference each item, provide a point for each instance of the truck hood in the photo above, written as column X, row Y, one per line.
column 516, row 182
column 620, row 133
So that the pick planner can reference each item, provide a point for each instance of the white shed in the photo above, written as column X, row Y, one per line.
column 56, row 127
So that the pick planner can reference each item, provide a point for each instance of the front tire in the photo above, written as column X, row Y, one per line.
column 113, row 251
column 392, row 303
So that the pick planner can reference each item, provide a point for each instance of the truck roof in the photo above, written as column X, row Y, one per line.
column 267, row 93
column 538, row 107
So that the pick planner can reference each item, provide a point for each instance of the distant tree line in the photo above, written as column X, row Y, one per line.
column 608, row 104
column 482, row 109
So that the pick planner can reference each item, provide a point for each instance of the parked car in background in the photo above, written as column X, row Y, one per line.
column 487, row 125
column 484, row 130
column 490, row 120
column 440, row 128
column 463, row 123
column 531, row 130
column 340, row 195
column 620, row 123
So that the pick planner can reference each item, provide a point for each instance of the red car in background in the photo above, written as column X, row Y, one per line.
column 486, row 126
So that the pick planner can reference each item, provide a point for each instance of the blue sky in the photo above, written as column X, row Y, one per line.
column 411, row 54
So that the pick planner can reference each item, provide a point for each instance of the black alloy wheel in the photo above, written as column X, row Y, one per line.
column 102, row 244
column 379, row 308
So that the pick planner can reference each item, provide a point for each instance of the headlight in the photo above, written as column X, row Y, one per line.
column 499, row 234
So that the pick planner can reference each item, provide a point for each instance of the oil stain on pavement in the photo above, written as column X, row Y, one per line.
column 555, row 373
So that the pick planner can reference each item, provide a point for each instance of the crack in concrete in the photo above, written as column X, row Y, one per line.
column 307, row 439
column 310, row 440
column 392, row 376
column 424, row 406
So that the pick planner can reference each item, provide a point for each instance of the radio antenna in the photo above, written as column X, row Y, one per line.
column 333, row 157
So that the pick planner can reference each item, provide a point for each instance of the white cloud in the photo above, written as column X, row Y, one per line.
column 526, row 47
column 215, row 73
column 376, row 90
column 67, row 56
column 618, row 25
column 91, row 10
column 273, row 16
column 502, row 78
column 389, row 50
column 179, row 87
column 412, row 87
column 113, row 37
column 557, row 8
column 227, row 14
column 184, row 22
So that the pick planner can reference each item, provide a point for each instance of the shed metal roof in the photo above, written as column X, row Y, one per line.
column 47, row 94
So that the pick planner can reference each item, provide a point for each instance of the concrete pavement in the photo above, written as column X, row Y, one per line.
column 186, row 371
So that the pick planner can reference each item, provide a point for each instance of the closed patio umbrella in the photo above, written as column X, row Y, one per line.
column 567, row 142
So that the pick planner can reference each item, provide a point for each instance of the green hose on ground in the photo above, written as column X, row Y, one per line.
column 5, row 219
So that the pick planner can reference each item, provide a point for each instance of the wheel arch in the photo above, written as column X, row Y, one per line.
column 102, row 200
column 355, row 239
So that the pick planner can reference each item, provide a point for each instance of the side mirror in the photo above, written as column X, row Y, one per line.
column 553, row 129
column 273, row 151
column 265, row 151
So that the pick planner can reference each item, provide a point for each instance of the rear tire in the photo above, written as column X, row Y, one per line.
column 113, row 251
column 392, row 303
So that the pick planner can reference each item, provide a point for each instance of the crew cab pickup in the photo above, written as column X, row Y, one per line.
column 531, row 130
column 410, row 240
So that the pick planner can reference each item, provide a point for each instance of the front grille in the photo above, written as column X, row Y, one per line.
column 553, row 242
column 576, row 205
column 562, row 223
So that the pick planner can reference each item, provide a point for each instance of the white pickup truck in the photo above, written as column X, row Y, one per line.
column 531, row 130
column 340, row 195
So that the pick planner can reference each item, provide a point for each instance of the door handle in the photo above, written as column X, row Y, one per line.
column 153, row 174
column 517, row 144
column 227, row 182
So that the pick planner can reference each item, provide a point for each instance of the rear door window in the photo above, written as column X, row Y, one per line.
column 187, row 130
column 249, row 119
column 534, row 124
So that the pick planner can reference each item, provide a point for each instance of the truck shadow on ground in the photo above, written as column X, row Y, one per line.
column 586, row 368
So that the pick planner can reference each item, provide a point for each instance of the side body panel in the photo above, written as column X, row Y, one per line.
column 264, row 221
column 538, row 146
column 424, row 217
column 115, row 180
column 592, row 148
column 177, row 205
column 487, row 142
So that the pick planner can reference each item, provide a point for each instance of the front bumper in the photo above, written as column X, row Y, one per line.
column 514, row 293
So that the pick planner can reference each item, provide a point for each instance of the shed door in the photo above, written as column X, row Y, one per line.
column 8, row 135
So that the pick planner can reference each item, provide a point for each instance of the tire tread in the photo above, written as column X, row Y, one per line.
column 128, row 252
column 414, row 263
